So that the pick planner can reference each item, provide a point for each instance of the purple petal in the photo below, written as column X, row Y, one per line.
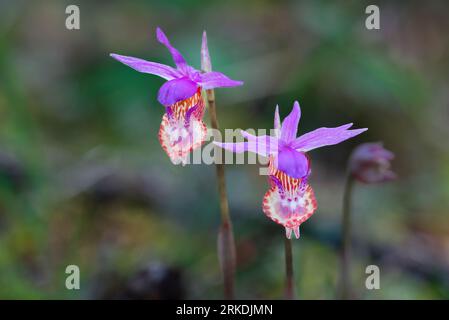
column 206, row 64
column 177, row 57
column 215, row 79
column 141, row 65
column 176, row 90
column 239, row 147
column 293, row 163
column 236, row 147
column 290, row 124
column 259, row 147
column 262, row 145
column 265, row 145
column 325, row 137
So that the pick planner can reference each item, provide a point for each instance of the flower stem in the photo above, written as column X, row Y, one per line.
column 345, row 280
column 289, row 287
column 226, row 245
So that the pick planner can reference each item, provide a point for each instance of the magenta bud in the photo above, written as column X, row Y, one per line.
column 371, row 163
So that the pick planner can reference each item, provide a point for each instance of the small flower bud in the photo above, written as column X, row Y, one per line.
column 370, row 163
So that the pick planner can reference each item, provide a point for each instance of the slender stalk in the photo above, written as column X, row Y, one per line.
column 345, row 280
column 289, row 287
column 226, row 245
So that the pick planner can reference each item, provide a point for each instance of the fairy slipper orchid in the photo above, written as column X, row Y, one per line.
column 290, row 200
column 182, row 129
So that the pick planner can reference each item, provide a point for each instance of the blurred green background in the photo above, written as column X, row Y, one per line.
column 84, row 181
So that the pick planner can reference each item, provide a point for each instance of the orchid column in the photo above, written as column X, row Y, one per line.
column 226, row 245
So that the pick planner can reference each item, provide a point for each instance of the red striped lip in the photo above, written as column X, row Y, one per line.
column 290, row 213
column 289, row 184
column 180, row 108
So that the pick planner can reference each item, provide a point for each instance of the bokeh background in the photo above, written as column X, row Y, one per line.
column 84, row 181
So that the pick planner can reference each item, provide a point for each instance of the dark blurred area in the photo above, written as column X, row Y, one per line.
column 84, row 181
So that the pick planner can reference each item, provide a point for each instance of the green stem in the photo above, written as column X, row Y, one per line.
column 345, row 292
column 226, row 243
column 289, row 284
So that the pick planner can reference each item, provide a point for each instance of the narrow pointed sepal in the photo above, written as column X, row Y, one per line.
column 206, row 64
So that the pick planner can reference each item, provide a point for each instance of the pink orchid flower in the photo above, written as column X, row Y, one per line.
column 290, row 200
column 182, row 129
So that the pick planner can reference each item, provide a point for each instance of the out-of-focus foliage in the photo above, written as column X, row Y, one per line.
column 83, row 179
